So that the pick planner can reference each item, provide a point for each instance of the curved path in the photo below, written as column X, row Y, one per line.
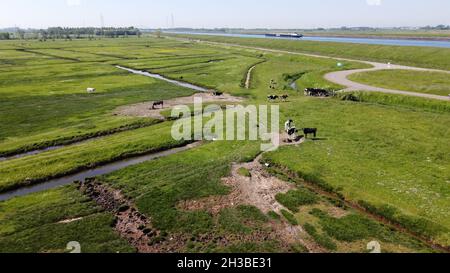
column 340, row 77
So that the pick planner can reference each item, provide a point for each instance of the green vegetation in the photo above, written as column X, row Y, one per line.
column 35, row 224
column 243, row 219
column 407, row 80
column 389, row 151
column 244, row 172
column 290, row 217
column 375, row 153
column 397, row 101
column 26, row 170
column 296, row 198
column 322, row 240
column 413, row 56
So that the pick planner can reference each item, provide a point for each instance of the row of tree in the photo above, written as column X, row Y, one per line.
column 70, row 33
column 5, row 36
column 64, row 33
column 438, row 27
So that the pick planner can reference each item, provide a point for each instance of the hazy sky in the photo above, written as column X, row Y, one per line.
column 224, row 13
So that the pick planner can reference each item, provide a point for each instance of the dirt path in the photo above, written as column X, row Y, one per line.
column 249, row 77
column 258, row 190
column 340, row 77
column 145, row 109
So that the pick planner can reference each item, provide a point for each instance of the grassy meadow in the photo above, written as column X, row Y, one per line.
column 411, row 56
column 414, row 81
column 387, row 153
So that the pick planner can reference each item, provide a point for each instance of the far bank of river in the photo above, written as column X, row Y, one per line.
column 339, row 39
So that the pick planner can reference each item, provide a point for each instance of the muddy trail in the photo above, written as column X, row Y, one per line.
column 129, row 222
column 101, row 169
column 259, row 190
column 146, row 109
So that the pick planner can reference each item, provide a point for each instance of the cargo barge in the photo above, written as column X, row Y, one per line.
column 285, row 35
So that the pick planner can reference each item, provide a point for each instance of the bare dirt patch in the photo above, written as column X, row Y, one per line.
column 145, row 109
column 259, row 190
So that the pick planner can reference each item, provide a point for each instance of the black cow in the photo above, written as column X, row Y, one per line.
column 315, row 92
column 308, row 131
column 272, row 97
column 217, row 94
column 284, row 97
column 158, row 103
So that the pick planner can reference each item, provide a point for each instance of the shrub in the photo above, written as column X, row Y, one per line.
column 296, row 198
column 322, row 240
column 290, row 217
column 274, row 215
column 244, row 172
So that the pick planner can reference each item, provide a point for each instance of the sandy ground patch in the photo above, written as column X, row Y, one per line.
column 145, row 110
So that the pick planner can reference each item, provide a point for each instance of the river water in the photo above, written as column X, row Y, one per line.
column 371, row 41
column 159, row 77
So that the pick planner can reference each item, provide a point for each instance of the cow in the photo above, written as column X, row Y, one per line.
column 315, row 92
column 284, row 97
column 308, row 131
column 217, row 94
column 90, row 90
column 272, row 97
column 158, row 103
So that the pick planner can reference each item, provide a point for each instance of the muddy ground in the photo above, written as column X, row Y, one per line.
column 146, row 110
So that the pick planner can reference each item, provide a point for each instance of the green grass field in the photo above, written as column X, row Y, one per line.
column 412, row 56
column 387, row 153
column 414, row 81
column 34, row 224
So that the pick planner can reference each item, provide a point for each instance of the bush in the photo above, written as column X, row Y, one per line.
column 322, row 240
column 350, row 228
column 294, row 199
column 244, row 172
column 274, row 215
column 290, row 217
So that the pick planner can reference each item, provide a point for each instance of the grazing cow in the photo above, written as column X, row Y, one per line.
column 217, row 94
column 158, row 103
column 308, row 131
column 284, row 97
column 272, row 97
column 91, row 90
column 273, row 84
column 315, row 92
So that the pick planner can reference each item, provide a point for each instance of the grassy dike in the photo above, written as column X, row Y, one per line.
column 411, row 56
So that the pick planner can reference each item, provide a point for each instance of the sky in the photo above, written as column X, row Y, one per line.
column 224, row 13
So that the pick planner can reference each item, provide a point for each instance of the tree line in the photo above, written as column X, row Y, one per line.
column 68, row 33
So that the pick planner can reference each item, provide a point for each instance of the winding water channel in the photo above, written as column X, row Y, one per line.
column 105, row 169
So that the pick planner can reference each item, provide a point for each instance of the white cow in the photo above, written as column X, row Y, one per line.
column 91, row 90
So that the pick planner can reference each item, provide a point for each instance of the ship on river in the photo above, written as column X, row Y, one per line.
column 285, row 35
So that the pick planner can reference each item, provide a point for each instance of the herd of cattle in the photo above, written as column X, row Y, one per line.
column 309, row 92
column 315, row 92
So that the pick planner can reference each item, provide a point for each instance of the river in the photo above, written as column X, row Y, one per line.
column 370, row 41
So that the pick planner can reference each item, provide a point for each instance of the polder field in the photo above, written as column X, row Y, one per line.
column 379, row 169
